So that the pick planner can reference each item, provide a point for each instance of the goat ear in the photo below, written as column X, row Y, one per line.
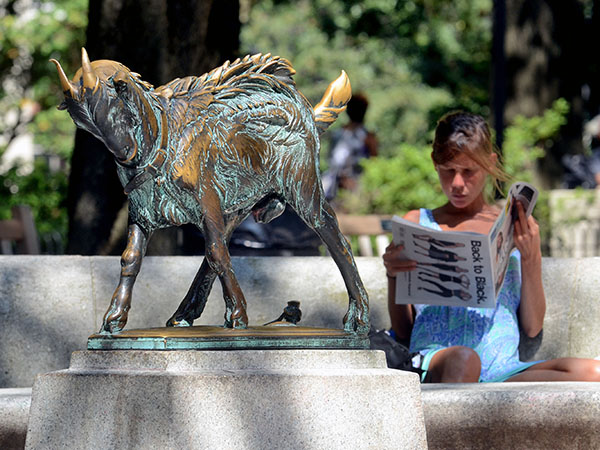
column 62, row 106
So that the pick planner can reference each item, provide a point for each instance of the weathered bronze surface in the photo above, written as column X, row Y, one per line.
column 210, row 150
column 220, row 338
column 291, row 314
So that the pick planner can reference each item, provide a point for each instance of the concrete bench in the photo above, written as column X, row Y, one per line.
column 526, row 416
column 49, row 305
column 14, row 412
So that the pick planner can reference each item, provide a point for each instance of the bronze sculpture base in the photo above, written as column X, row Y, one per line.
column 274, row 336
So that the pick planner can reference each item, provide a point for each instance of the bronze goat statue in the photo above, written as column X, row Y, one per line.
column 210, row 150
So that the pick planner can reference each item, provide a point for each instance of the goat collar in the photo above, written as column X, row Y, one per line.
column 152, row 168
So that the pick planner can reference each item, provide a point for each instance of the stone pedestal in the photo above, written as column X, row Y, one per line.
column 237, row 399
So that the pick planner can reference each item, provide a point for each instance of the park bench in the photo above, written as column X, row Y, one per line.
column 49, row 305
column 371, row 231
column 19, row 233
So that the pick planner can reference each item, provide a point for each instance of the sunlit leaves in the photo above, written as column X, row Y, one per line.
column 374, row 42
column 527, row 139
column 32, row 32
column 396, row 185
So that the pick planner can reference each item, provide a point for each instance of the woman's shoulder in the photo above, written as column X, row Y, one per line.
column 413, row 215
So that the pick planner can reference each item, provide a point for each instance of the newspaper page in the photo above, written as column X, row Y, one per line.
column 501, row 234
column 459, row 268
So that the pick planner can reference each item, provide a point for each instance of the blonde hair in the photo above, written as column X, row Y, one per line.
column 460, row 132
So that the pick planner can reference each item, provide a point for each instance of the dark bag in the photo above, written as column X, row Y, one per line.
column 396, row 354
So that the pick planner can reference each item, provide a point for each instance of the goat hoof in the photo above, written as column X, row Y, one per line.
column 112, row 326
column 114, row 321
column 356, row 321
column 238, row 322
column 356, row 326
column 237, row 319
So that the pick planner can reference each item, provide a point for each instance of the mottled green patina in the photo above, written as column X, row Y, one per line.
column 218, row 338
column 211, row 150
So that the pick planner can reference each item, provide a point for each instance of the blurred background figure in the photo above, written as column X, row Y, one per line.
column 349, row 145
column 584, row 170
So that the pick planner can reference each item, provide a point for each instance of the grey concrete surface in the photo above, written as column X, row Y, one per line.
column 14, row 413
column 49, row 305
column 272, row 399
column 46, row 311
column 518, row 416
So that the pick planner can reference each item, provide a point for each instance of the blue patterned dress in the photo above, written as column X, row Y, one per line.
column 492, row 333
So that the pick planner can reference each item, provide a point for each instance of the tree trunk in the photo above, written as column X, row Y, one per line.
column 592, row 86
column 161, row 40
column 544, row 56
column 499, row 69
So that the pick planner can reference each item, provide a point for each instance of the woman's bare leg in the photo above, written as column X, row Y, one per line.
column 561, row 369
column 455, row 364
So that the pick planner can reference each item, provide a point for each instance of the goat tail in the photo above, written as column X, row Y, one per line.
column 333, row 103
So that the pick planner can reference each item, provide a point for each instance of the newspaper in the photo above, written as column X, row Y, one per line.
column 459, row 268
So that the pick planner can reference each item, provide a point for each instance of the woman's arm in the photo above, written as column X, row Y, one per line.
column 401, row 316
column 533, row 299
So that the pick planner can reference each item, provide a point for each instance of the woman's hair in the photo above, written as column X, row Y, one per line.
column 461, row 132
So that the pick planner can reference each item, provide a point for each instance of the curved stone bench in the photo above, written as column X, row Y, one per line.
column 524, row 416
column 14, row 413
column 49, row 305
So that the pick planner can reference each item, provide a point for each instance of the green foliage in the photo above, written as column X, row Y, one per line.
column 32, row 32
column 526, row 139
column 43, row 191
column 396, row 185
column 446, row 42
column 53, row 133
column 408, row 180
column 413, row 59
column 29, row 37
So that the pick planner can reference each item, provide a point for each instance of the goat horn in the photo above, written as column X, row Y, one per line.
column 90, row 79
column 64, row 81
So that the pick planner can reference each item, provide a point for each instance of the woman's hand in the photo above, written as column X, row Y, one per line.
column 527, row 237
column 394, row 262
column 533, row 301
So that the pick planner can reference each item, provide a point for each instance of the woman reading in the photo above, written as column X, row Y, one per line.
column 465, row 344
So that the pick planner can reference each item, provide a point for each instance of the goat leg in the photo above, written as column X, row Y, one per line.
column 193, row 304
column 131, row 262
